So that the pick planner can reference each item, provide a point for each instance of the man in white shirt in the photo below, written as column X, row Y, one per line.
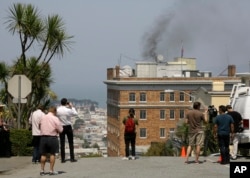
column 34, row 121
column 64, row 113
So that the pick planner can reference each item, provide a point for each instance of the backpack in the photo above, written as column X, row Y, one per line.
column 130, row 125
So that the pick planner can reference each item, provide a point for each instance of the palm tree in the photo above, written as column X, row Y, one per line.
column 46, row 34
column 4, row 76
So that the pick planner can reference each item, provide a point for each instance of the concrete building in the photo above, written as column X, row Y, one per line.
column 159, row 111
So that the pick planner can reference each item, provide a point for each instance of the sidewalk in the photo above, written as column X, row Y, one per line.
column 115, row 167
column 15, row 162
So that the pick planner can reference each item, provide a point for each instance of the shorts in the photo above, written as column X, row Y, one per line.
column 49, row 144
column 196, row 139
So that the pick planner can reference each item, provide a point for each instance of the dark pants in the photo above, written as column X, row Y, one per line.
column 130, row 139
column 67, row 130
column 224, row 141
column 36, row 153
column 5, row 145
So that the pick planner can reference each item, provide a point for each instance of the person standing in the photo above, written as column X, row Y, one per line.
column 34, row 121
column 237, row 123
column 5, row 147
column 130, row 133
column 194, row 119
column 65, row 112
column 50, row 126
column 223, row 124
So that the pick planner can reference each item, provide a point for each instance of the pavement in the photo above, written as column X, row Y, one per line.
column 115, row 167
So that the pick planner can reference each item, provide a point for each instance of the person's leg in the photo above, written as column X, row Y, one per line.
column 126, row 138
column 191, row 139
column 199, row 143
column 133, row 145
column 52, row 162
column 43, row 152
column 227, row 155
column 197, row 155
column 43, row 161
column 221, row 140
column 71, row 142
column 62, row 145
column 235, row 146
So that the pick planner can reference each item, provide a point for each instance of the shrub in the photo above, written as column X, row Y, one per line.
column 21, row 142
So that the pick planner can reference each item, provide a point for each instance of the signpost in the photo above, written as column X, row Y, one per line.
column 19, row 86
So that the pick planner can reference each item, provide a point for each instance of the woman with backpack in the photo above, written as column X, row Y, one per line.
column 130, row 133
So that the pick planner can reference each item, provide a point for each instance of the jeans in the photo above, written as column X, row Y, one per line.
column 36, row 152
column 130, row 139
column 224, row 141
column 67, row 130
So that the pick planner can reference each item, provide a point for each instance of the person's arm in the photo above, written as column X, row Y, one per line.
column 206, row 116
column 232, row 128
column 59, row 126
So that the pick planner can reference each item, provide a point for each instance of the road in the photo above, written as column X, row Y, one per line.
column 115, row 167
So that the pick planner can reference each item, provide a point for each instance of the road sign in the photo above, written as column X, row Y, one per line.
column 19, row 86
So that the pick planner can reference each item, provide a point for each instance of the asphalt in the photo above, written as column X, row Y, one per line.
column 115, row 167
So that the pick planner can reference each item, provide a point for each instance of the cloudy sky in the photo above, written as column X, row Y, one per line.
column 111, row 32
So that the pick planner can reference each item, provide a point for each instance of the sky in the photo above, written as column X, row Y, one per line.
column 122, row 32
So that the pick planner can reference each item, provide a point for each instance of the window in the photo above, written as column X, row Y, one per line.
column 182, row 97
column 162, row 96
column 190, row 98
column 171, row 129
column 142, row 114
column 162, row 132
column 171, row 132
column 132, row 97
column 182, row 114
column 143, row 97
column 143, row 132
column 171, row 115
column 171, row 97
column 162, row 114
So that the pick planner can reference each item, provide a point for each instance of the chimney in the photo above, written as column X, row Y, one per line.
column 231, row 70
column 117, row 71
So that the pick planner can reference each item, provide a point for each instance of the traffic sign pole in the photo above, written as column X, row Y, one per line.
column 19, row 102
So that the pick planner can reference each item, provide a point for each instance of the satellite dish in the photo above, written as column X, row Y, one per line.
column 159, row 58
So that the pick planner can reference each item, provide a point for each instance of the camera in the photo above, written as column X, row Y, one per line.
column 212, row 111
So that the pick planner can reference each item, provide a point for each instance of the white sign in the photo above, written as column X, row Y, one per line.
column 19, row 85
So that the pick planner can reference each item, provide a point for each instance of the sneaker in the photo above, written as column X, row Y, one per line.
column 42, row 173
column 133, row 158
column 73, row 160
column 125, row 158
column 233, row 158
column 53, row 173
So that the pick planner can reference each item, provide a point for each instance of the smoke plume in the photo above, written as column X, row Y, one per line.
column 215, row 32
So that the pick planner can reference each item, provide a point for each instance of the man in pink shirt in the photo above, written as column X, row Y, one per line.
column 50, row 127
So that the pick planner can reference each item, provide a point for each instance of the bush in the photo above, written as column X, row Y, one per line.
column 21, row 142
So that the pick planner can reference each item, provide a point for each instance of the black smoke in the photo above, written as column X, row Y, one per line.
column 215, row 32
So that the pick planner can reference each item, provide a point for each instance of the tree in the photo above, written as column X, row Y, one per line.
column 48, row 35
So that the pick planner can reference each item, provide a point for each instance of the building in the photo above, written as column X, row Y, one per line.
column 159, row 111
